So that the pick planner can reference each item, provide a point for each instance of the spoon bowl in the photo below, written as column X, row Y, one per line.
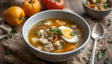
column 98, row 31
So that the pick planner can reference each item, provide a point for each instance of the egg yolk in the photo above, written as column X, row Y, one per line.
column 67, row 33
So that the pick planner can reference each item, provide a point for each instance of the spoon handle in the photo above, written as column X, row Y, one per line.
column 91, row 61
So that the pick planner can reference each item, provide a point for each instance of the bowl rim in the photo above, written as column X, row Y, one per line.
column 64, row 53
column 83, row 1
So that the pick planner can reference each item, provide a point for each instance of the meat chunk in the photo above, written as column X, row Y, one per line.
column 48, row 47
column 62, row 41
column 43, row 41
column 73, row 26
column 34, row 40
column 48, row 23
column 57, row 43
column 50, row 39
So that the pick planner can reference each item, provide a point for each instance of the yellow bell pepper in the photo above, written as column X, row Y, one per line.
column 31, row 7
column 14, row 15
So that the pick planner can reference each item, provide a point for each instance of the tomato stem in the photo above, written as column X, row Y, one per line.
column 30, row 1
column 56, row 0
column 20, row 18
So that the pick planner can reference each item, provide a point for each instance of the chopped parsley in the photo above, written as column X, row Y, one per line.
column 41, row 23
column 36, row 32
column 9, row 35
column 73, row 33
column 14, row 29
column 101, row 54
column 109, row 22
column 56, row 31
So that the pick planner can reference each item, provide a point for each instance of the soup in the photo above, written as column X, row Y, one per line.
column 98, row 4
column 56, row 35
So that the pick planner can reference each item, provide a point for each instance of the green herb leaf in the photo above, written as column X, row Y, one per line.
column 8, row 51
column 9, row 35
column 59, row 32
column 106, row 61
column 56, row 31
column 109, row 41
column 14, row 29
column 36, row 32
column 73, row 33
column 109, row 22
column 101, row 54
column 51, row 29
column 41, row 23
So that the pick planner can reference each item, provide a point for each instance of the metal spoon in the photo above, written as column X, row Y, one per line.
column 97, row 33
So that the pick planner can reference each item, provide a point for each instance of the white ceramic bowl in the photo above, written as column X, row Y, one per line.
column 55, row 57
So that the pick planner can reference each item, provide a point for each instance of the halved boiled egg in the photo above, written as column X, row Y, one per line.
column 67, row 34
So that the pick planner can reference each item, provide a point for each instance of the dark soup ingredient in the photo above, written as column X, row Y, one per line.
column 56, row 35
column 97, row 4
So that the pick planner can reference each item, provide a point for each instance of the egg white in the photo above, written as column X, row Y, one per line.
column 72, row 40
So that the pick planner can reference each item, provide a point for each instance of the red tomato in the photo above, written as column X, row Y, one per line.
column 52, row 4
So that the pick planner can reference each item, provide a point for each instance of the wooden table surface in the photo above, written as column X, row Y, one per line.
column 76, row 6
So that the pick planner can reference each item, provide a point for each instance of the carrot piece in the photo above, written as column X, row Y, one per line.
column 99, row 8
column 56, row 38
column 58, row 23
column 70, row 48
column 91, row 6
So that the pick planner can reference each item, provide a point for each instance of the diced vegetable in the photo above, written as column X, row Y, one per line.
column 104, row 1
column 70, row 48
column 96, row 8
column 58, row 23
column 87, row 3
column 104, row 5
column 91, row 6
column 56, row 38
column 41, row 23
column 73, row 33
column 97, row 4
